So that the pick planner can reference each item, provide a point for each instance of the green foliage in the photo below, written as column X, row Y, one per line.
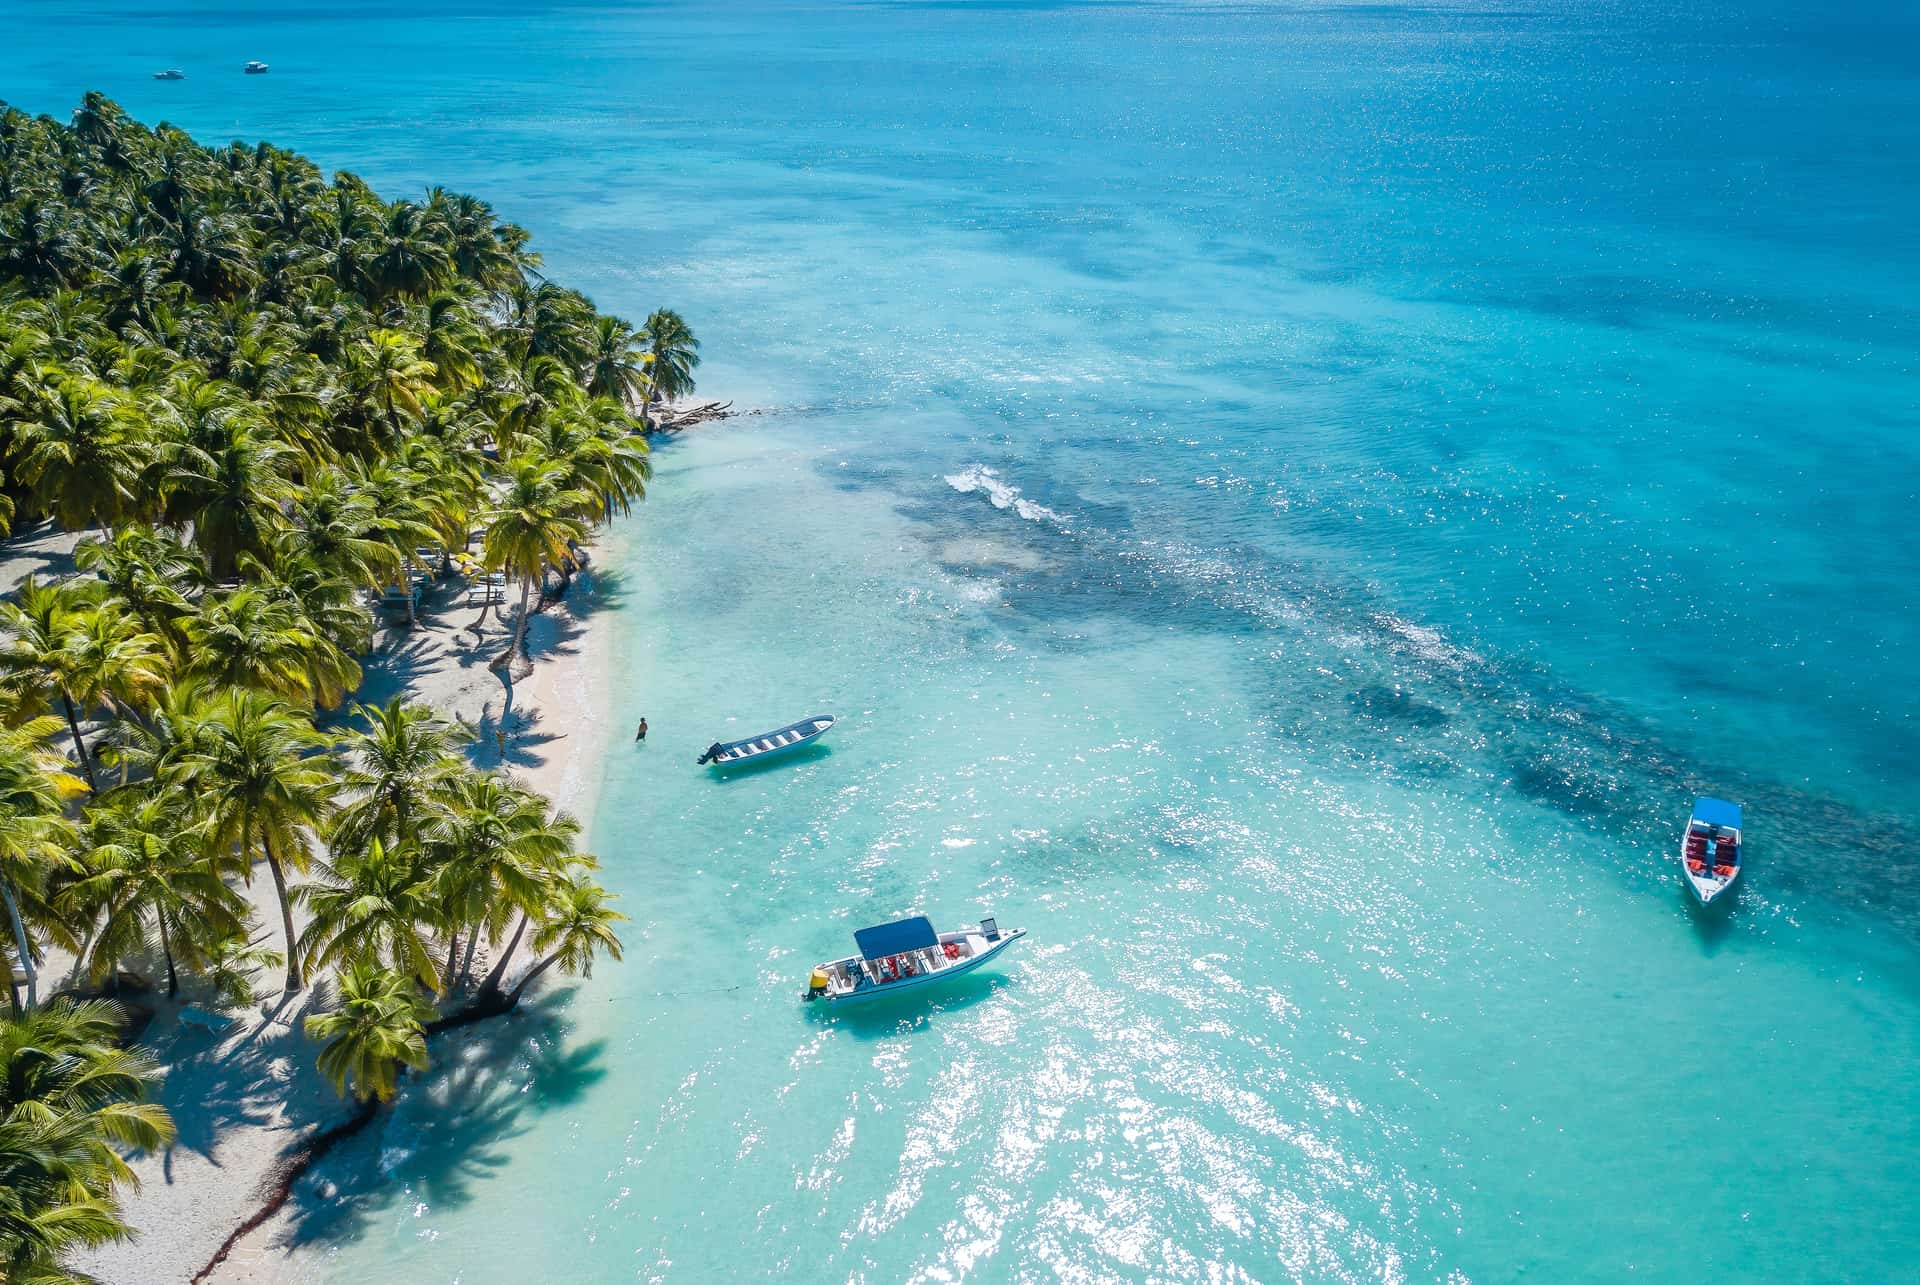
column 264, row 394
column 378, row 1027
column 71, row 1102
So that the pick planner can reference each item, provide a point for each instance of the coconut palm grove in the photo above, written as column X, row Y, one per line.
column 268, row 397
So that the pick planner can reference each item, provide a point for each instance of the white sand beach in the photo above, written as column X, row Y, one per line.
column 246, row 1100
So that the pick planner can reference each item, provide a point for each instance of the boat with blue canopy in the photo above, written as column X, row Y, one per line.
column 1710, row 851
column 769, row 744
column 906, row 955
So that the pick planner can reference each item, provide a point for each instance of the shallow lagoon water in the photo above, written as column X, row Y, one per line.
column 1289, row 505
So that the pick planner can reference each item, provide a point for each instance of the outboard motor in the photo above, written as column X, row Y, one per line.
column 817, row 984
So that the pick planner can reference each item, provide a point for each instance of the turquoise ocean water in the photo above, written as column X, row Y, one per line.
column 1290, row 502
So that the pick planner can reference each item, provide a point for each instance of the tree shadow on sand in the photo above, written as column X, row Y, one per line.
column 446, row 1137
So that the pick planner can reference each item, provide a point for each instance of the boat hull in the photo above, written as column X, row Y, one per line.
column 916, row 983
column 777, row 744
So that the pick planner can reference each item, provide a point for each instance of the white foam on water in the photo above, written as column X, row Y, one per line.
column 981, row 480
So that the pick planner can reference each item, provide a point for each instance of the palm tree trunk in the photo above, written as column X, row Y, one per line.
column 466, row 958
column 492, row 984
column 453, row 957
column 166, row 948
column 512, row 653
column 513, row 1000
column 286, row 915
column 79, row 744
column 23, row 947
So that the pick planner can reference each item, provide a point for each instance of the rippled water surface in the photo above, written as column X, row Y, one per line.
column 1289, row 503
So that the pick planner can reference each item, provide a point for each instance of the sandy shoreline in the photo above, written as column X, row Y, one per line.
column 246, row 1099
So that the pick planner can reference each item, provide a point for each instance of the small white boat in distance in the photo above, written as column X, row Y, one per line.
column 171, row 73
column 255, row 69
column 905, row 955
column 1710, row 852
column 770, row 745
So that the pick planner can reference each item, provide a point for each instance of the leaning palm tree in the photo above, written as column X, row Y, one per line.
column 378, row 1028
column 675, row 352
column 255, row 767
column 493, row 851
column 557, row 832
column 577, row 926
column 531, row 528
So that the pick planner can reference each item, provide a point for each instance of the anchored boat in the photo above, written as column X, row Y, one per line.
column 907, row 954
column 171, row 73
column 255, row 68
column 1710, row 852
column 769, row 745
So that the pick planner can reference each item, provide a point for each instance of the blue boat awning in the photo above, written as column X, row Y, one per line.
column 1718, row 812
column 896, row 938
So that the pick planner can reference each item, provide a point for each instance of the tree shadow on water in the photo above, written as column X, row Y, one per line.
column 447, row 1136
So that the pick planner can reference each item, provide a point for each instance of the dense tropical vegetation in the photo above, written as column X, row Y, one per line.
column 266, row 397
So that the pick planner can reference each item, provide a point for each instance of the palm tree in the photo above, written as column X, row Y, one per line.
column 334, row 618
column 55, row 640
column 255, row 767
column 220, row 471
column 157, row 743
column 370, row 903
column 34, row 839
column 81, row 447
column 402, row 758
column 403, row 255
column 378, row 1028
column 71, row 1103
column 675, row 352
column 547, row 320
column 553, row 837
column 210, row 254
column 494, row 849
column 149, row 870
column 617, row 362
column 387, row 369
column 451, row 339
column 249, row 639
column 532, row 528
column 338, row 527
column 578, row 925
column 147, row 575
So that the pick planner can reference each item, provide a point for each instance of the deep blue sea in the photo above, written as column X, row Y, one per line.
column 1290, row 503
